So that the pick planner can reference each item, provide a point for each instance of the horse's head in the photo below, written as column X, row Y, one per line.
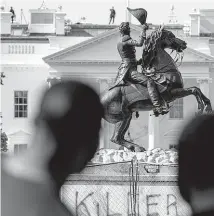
column 168, row 40
column 160, row 39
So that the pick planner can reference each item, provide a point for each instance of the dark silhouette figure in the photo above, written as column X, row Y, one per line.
column 112, row 15
column 196, row 172
column 13, row 14
column 65, row 140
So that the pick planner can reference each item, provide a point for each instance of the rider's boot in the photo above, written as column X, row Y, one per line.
column 154, row 96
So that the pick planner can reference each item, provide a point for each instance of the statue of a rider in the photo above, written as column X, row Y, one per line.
column 128, row 69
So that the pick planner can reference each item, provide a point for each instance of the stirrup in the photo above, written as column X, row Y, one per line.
column 160, row 110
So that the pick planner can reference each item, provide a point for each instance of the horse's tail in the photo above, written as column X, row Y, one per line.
column 111, row 100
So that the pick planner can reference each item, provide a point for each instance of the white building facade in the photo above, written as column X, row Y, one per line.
column 29, row 61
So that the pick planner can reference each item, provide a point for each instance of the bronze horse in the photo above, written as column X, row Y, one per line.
column 121, row 101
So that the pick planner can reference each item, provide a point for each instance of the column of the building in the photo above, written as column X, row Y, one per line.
column 204, row 85
column 128, row 14
column 153, row 131
column 105, row 132
column 53, row 80
column 103, row 85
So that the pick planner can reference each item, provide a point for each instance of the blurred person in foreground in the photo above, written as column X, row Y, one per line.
column 196, row 165
column 65, row 140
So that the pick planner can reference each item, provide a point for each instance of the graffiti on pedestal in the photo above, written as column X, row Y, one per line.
column 115, row 202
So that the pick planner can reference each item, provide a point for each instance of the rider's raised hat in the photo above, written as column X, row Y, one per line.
column 139, row 13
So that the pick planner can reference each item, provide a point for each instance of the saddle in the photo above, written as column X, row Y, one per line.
column 157, row 77
column 135, row 92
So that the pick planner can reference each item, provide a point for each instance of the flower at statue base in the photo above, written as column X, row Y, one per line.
column 161, row 158
column 128, row 156
column 156, row 150
column 158, row 156
column 174, row 160
column 151, row 159
column 4, row 140
column 118, row 156
column 162, row 152
column 141, row 156
column 166, row 161
column 112, row 157
column 148, row 153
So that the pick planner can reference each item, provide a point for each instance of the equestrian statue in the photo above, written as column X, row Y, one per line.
column 157, row 84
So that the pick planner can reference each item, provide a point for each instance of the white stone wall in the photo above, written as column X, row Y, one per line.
column 18, row 46
column 31, row 79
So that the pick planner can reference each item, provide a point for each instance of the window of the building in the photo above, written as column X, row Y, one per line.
column 12, row 49
column 42, row 18
column 176, row 111
column 20, row 104
column 33, row 49
column 18, row 148
column 20, row 49
column 15, row 49
column 23, row 49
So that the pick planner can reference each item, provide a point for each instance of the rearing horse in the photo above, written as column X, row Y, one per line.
column 121, row 101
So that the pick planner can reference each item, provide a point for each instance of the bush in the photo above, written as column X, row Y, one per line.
column 4, row 140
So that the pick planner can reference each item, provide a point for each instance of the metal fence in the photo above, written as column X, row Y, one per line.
column 124, row 189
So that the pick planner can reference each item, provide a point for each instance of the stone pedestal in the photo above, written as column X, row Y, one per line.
column 153, row 131
column 105, row 190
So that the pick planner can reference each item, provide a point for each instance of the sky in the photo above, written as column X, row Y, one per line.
column 97, row 11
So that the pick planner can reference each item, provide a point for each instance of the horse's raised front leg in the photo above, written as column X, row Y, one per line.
column 183, row 92
column 119, row 133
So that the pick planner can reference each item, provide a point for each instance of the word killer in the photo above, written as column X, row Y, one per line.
column 109, row 205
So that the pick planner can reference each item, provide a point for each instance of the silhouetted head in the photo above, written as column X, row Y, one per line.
column 71, row 113
column 196, row 172
column 124, row 28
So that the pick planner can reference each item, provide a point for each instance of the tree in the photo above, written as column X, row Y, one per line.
column 2, row 76
column 4, row 140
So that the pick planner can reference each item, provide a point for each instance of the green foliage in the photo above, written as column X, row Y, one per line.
column 4, row 140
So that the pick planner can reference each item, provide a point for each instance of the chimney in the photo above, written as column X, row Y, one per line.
column 42, row 21
column 195, row 23
column 60, row 23
column 202, row 23
column 206, row 22
column 5, row 23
